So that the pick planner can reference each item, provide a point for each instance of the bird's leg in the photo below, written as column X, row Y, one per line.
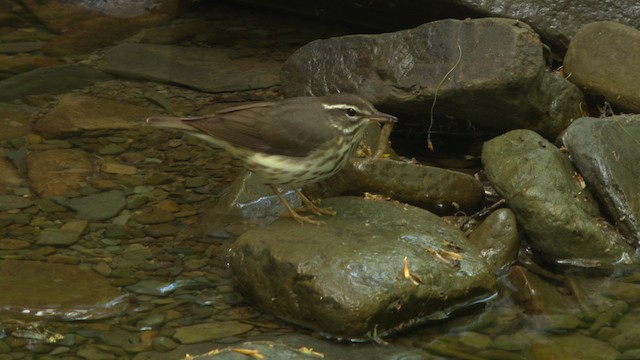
column 297, row 217
column 313, row 207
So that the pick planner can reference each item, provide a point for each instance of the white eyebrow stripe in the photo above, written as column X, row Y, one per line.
column 340, row 106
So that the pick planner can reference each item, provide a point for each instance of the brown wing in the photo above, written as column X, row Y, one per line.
column 265, row 127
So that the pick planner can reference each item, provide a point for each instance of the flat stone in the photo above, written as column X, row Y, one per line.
column 14, row 124
column 50, row 80
column 10, row 177
column 376, row 267
column 21, row 47
column 66, row 292
column 606, row 153
column 204, row 69
column 58, row 237
column 76, row 113
column 10, row 202
column 100, row 206
column 13, row 244
column 600, row 60
column 559, row 215
column 210, row 331
column 120, row 169
column 57, row 171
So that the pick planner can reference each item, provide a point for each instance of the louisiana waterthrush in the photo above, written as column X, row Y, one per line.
column 293, row 142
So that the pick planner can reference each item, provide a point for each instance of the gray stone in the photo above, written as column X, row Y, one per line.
column 607, row 153
column 346, row 278
column 50, row 80
column 10, row 202
column 100, row 206
column 504, row 86
column 603, row 59
column 204, row 69
column 557, row 21
column 560, row 217
column 58, row 237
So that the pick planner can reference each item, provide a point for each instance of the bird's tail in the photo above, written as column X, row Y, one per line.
column 170, row 122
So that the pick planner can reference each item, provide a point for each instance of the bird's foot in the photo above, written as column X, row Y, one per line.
column 319, row 210
column 310, row 206
column 303, row 219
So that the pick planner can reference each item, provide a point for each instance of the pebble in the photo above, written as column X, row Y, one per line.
column 100, row 206
column 161, row 230
column 58, row 237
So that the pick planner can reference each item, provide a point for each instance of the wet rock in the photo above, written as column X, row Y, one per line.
column 401, row 71
column 21, row 47
column 574, row 346
column 606, row 152
column 12, row 65
column 10, row 202
column 556, row 21
column 346, row 279
column 161, row 230
column 210, row 331
column 593, row 62
column 10, row 178
column 33, row 288
column 438, row 190
column 561, row 218
column 204, row 69
column 13, row 244
column 76, row 113
column 14, row 124
column 259, row 349
column 86, row 36
column 58, row 237
column 57, row 171
column 100, row 206
column 50, row 80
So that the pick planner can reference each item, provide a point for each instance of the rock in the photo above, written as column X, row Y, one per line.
column 560, row 217
column 606, row 152
column 14, row 124
column 57, row 171
column 593, row 62
column 401, row 72
column 100, row 206
column 573, row 346
column 50, row 80
column 91, row 34
column 119, row 169
column 346, row 278
column 10, row 178
column 438, row 190
column 260, row 350
column 21, row 47
column 11, row 65
column 204, row 69
column 13, row 244
column 58, row 237
column 556, row 21
column 210, row 331
column 77, row 113
column 64, row 292
column 10, row 202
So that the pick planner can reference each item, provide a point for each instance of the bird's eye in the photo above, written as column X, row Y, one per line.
column 351, row 112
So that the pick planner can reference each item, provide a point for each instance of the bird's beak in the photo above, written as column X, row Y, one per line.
column 383, row 118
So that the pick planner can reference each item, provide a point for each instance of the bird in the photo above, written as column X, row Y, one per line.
column 293, row 142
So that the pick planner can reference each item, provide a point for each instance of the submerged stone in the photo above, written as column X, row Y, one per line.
column 375, row 268
column 65, row 292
